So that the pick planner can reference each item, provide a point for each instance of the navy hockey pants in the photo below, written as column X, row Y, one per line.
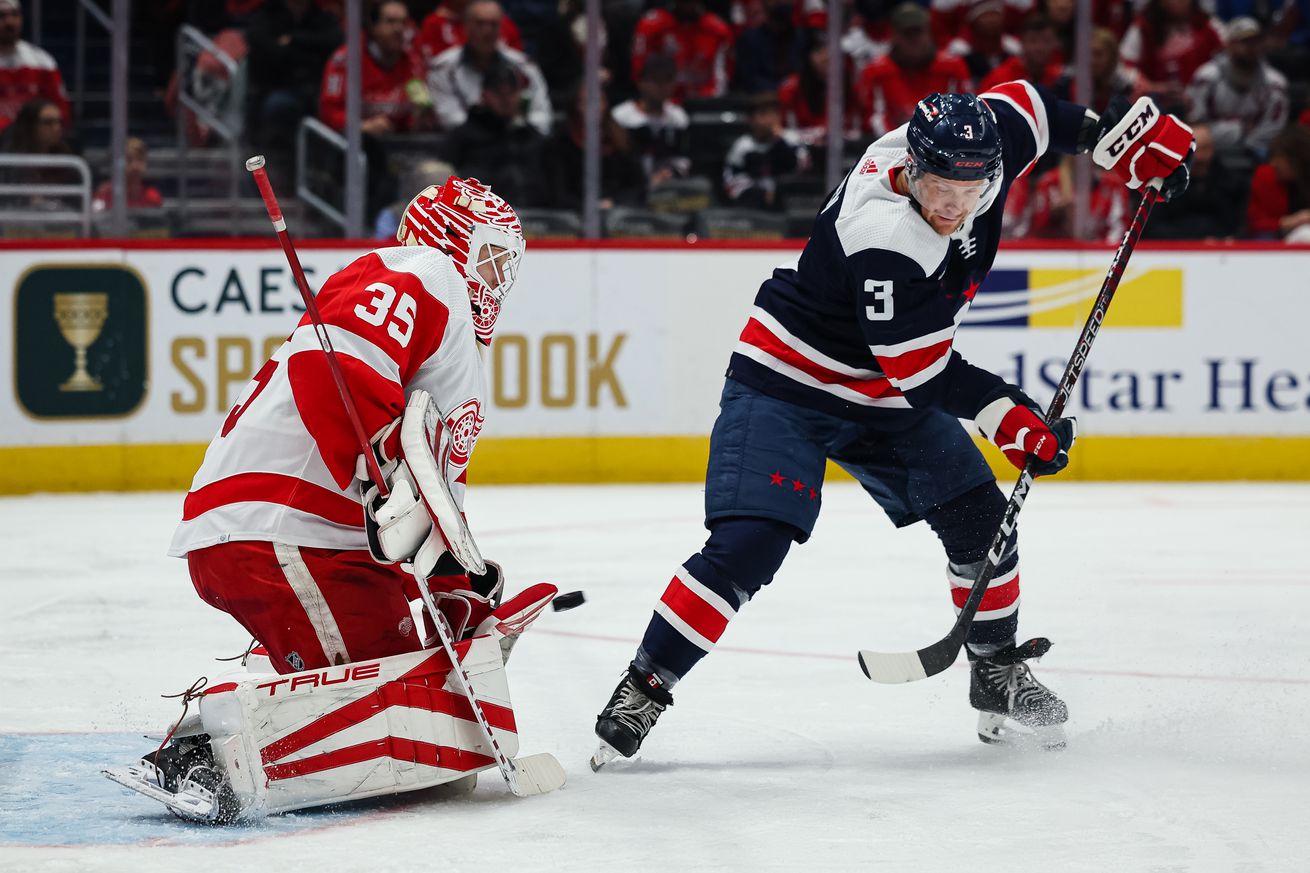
column 763, row 491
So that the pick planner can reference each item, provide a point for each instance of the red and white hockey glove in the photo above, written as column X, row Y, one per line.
column 1144, row 144
column 1014, row 422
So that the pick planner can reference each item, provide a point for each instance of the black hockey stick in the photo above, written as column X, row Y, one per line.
column 896, row 667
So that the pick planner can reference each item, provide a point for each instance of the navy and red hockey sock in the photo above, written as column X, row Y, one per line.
column 739, row 558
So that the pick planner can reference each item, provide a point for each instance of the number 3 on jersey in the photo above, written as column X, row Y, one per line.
column 880, row 309
column 401, row 325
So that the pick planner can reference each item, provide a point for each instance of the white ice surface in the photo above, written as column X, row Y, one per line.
column 1179, row 615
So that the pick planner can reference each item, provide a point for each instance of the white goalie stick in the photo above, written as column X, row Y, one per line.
column 533, row 774
column 899, row 667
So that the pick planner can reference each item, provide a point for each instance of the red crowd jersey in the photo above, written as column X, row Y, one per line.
column 282, row 466
column 1013, row 69
column 382, row 91
column 1174, row 55
column 27, row 72
column 888, row 91
column 702, row 49
column 444, row 29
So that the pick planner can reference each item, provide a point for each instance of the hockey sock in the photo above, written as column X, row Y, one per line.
column 739, row 558
column 966, row 526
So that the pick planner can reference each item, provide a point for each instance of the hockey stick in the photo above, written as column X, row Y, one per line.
column 526, row 776
column 896, row 667
column 255, row 166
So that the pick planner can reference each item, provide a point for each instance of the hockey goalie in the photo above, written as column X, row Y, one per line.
column 352, row 692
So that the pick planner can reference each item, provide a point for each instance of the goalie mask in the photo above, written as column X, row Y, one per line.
column 477, row 230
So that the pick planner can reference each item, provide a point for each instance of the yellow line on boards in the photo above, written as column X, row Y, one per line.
column 542, row 460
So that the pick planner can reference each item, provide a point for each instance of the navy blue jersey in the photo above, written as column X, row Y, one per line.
column 863, row 325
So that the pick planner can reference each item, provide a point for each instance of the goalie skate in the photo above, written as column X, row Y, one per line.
column 184, row 778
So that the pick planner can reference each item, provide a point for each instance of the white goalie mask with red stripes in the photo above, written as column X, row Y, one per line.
column 477, row 230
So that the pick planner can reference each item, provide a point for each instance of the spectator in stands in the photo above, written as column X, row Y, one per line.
column 1043, row 207
column 444, row 29
column 497, row 145
column 761, row 156
column 1038, row 60
column 414, row 177
column 770, row 52
column 1279, row 207
column 562, row 53
column 1212, row 205
column 656, row 126
column 455, row 75
column 1064, row 17
column 803, row 96
column 1110, row 78
column 622, row 178
column 1168, row 41
column 983, row 43
column 869, row 36
column 393, row 98
column 139, row 194
column 290, row 43
column 950, row 16
column 699, row 41
column 38, row 129
column 26, row 72
column 890, row 87
column 1242, row 97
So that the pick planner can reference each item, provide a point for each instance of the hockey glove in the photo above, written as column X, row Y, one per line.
column 1013, row 421
column 1142, row 144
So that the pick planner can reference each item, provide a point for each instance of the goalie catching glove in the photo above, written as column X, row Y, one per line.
column 1014, row 422
column 419, row 520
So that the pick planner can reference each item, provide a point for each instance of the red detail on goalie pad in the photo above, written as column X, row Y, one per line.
column 517, row 614
column 365, row 601
column 699, row 615
column 998, row 597
column 397, row 748
column 420, row 688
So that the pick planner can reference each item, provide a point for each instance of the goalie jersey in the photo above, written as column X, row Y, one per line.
column 863, row 325
column 282, row 467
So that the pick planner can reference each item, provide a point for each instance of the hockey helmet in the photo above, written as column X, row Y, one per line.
column 954, row 136
column 477, row 230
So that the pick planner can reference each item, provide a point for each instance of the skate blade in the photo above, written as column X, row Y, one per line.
column 604, row 754
column 998, row 730
column 196, row 804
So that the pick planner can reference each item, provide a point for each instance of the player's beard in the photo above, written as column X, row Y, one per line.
column 943, row 226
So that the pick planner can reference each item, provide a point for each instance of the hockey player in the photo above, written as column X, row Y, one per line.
column 848, row 354
column 282, row 531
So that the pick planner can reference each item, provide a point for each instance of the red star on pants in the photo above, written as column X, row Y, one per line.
column 813, row 494
column 971, row 290
column 797, row 485
column 776, row 479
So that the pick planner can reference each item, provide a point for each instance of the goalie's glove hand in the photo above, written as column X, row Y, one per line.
column 1013, row 421
column 399, row 524
column 1139, row 143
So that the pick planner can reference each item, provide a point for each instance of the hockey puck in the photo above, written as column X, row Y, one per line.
column 567, row 600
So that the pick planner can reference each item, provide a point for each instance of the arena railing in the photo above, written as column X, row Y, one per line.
column 27, row 164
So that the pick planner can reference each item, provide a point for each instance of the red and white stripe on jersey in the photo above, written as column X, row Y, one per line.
column 26, row 73
column 913, row 362
column 694, row 611
column 1023, row 98
column 1000, row 600
column 765, row 341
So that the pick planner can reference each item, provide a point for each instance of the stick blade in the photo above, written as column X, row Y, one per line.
column 892, row 668
column 537, row 774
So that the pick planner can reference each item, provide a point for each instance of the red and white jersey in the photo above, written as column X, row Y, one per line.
column 27, row 72
column 282, row 467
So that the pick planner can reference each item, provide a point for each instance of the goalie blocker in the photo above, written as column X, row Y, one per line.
column 275, row 743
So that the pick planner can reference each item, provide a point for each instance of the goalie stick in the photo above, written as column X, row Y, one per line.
column 897, row 667
column 534, row 774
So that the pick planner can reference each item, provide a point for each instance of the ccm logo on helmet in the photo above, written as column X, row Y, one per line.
column 325, row 678
column 968, row 163
column 1139, row 124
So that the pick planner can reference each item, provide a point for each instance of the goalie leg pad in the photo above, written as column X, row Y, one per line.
column 357, row 730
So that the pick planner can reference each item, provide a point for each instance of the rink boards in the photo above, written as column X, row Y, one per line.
column 608, row 360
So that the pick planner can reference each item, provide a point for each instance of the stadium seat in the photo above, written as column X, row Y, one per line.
column 681, row 196
column 741, row 224
column 625, row 223
column 547, row 224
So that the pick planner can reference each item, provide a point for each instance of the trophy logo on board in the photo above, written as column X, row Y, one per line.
column 81, row 317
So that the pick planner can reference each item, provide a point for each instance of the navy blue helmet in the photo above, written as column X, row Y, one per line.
column 954, row 136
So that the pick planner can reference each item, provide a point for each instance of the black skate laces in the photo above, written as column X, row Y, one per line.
column 636, row 715
column 1007, row 666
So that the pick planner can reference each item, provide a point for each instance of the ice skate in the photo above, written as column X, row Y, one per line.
column 184, row 777
column 628, row 717
column 1013, row 707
